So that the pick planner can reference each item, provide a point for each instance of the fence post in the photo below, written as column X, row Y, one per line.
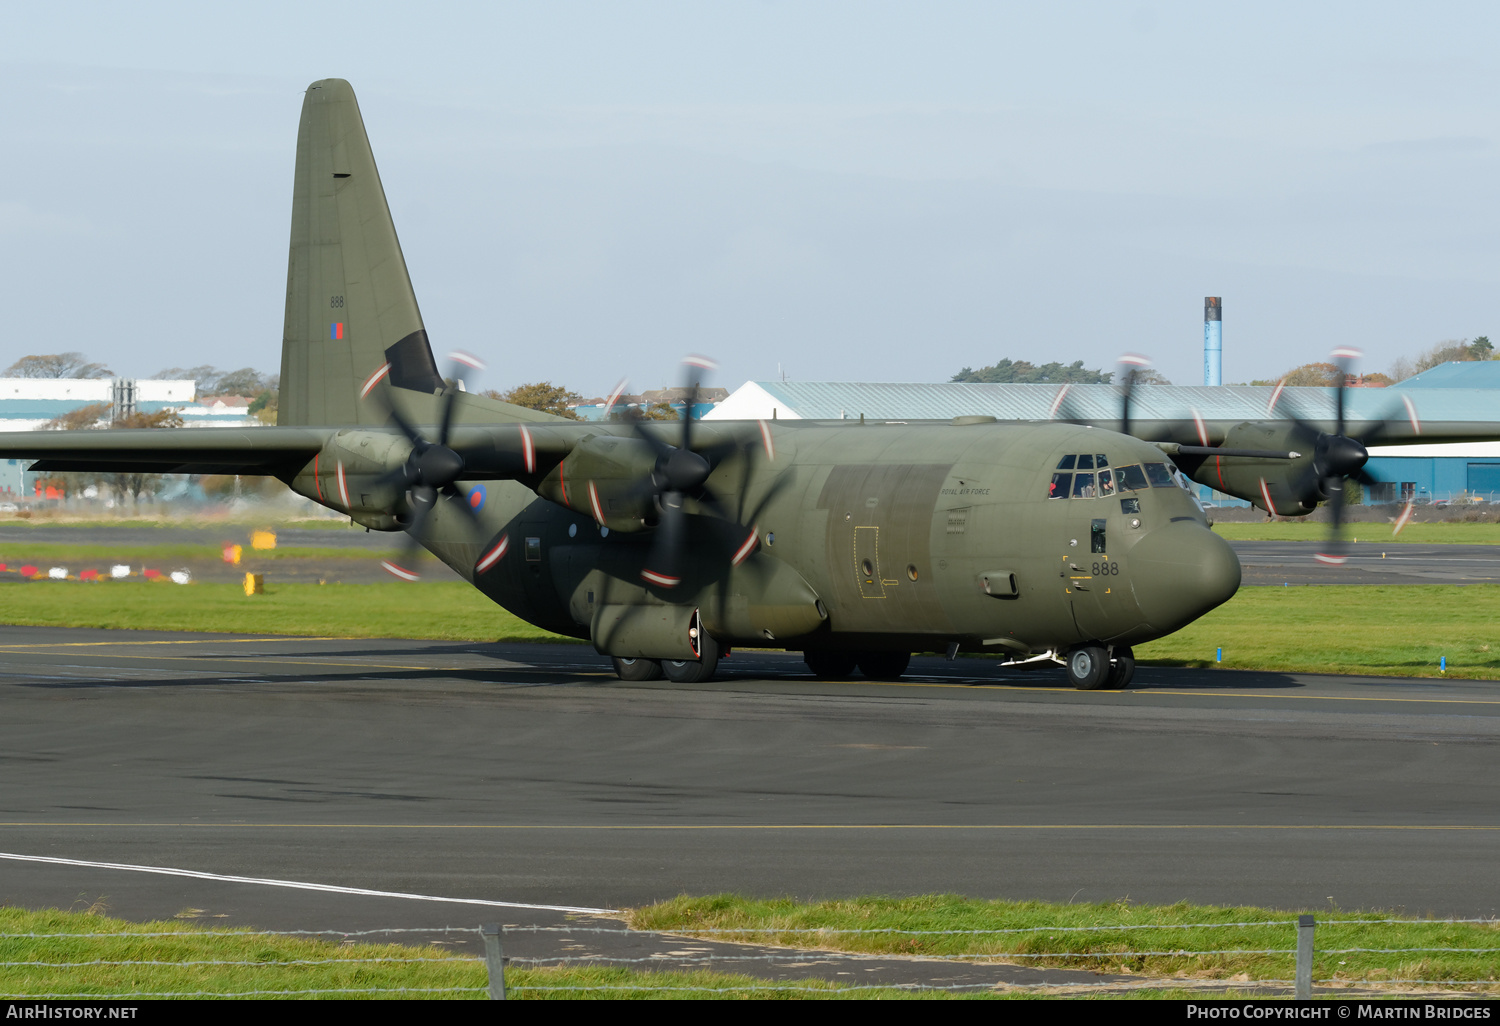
column 1305, row 926
column 494, row 958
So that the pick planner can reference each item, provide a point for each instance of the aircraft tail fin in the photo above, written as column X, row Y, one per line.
column 350, row 308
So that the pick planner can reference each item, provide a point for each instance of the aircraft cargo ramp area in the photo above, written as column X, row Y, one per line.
column 529, row 774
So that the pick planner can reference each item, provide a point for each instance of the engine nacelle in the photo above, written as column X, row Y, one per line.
column 608, row 478
column 354, row 473
column 1288, row 488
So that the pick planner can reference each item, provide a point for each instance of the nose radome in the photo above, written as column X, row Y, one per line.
column 1180, row 571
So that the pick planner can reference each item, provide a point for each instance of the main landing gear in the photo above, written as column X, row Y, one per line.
column 1095, row 667
column 678, row 671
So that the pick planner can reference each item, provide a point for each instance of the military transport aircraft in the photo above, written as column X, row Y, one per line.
column 666, row 543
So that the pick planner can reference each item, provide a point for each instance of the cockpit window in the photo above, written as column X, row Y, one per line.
column 1091, row 485
column 1159, row 476
column 1132, row 479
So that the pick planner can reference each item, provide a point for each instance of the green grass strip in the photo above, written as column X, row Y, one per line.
column 1385, row 630
column 449, row 610
column 182, row 963
column 1100, row 937
column 1374, row 533
column 1388, row 630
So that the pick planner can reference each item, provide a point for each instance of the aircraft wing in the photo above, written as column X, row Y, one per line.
column 266, row 450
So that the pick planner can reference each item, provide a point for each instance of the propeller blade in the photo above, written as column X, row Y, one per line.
column 1344, row 358
column 1397, row 413
column 664, row 563
column 404, row 566
column 1063, row 404
column 458, row 360
column 462, row 502
column 609, row 404
column 1334, row 550
column 1404, row 518
column 1131, row 366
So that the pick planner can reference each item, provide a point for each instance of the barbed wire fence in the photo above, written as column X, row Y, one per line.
column 495, row 961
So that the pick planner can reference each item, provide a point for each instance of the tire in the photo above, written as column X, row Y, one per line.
column 1122, row 669
column 833, row 665
column 884, row 665
column 1088, row 667
column 637, row 669
column 694, row 671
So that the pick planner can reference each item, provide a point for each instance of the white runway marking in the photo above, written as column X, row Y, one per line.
column 296, row 884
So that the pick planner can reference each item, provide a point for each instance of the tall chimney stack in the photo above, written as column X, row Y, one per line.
column 1213, row 341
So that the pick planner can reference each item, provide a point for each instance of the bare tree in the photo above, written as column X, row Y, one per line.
column 57, row 365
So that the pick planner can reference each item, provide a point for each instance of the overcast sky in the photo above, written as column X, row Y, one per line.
column 846, row 191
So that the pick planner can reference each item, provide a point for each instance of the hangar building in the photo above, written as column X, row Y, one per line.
column 1432, row 473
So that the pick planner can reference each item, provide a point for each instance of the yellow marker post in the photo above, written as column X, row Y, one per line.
column 262, row 539
column 255, row 584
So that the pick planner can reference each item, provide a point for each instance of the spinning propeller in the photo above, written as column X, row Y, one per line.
column 1342, row 455
column 680, row 473
column 430, row 469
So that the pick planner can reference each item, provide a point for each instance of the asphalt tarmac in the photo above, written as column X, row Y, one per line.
column 1379, row 562
column 528, row 774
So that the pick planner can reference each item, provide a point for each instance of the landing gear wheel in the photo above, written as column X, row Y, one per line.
column 690, row 671
column 637, row 669
column 1122, row 669
column 835, row 665
column 1088, row 667
column 884, row 665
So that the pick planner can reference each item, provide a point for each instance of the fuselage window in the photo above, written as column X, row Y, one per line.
column 1106, row 482
column 1060, row 485
column 1100, row 462
column 1085, row 462
column 1066, row 463
column 1083, row 486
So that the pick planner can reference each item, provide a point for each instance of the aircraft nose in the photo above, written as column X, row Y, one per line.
column 1180, row 571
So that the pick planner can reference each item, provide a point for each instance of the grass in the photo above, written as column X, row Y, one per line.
column 188, row 962
column 1093, row 939
column 449, row 610
column 1375, row 533
column 1388, row 630
column 86, row 954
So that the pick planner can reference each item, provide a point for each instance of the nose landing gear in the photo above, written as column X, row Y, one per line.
column 1094, row 667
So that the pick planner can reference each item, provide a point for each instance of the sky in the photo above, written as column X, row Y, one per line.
column 859, row 191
